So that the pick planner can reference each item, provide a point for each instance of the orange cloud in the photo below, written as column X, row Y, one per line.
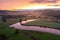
column 21, row 4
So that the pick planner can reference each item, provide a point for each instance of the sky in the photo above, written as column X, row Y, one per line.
column 28, row 4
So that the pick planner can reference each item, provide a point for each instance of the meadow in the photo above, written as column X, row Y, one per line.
column 44, row 23
column 10, row 32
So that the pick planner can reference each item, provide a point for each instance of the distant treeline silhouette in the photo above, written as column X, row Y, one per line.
column 13, row 16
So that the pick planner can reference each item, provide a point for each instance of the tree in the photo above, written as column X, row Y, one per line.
column 16, row 31
column 52, row 13
column 3, row 18
column 20, row 20
column 57, row 18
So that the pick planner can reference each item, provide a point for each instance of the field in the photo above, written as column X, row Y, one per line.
column 44, row 23
column 10, row 32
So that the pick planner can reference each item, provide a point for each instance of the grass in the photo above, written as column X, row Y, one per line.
column 45, row 36
column 4, row 28
column 10, row 32
column 12, row 21
column 36, row 35
column 20, row 36
column 44, row 23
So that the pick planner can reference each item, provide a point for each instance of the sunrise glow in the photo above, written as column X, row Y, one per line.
column 39, row 7
column 28, row 4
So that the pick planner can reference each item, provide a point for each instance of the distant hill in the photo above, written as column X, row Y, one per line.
column 30, row 11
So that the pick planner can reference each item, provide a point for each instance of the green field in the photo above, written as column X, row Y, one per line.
column 44, row 23
column 10, row 32
column 36, row 35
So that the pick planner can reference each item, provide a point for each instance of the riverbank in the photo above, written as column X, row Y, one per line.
column 35, row 28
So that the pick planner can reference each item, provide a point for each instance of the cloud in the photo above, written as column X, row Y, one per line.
column 44, row 1
column 11, row 4
column 37, row 1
